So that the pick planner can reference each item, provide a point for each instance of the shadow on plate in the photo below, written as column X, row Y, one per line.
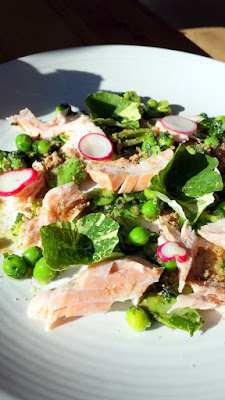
column 5, row 242
column 24, row 86
column 63, row 321
column 211, row 318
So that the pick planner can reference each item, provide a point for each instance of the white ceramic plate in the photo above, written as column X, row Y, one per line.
column 99, row 357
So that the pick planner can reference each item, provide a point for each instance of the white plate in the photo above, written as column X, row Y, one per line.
column 99, row 357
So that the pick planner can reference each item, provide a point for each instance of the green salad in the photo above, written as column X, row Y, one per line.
column 147, row 185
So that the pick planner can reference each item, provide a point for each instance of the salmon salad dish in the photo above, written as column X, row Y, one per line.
column 131, row 197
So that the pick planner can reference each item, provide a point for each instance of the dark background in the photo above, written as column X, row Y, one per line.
column 31, row 27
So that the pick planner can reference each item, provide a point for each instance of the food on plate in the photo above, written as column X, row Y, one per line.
column 95, row 290
column 102, row 149
column 13, row 182
column 132, row 193
column 124, row 176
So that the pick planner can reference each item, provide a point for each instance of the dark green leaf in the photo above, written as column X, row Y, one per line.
column 85, row 241
column 113, row 110
column 188, row 182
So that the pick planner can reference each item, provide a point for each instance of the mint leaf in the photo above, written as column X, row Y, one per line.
column 85, row 241
column 188, row 182
column 113, row 110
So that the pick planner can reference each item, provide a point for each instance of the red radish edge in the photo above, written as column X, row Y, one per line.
column 163, row 257
column 176, row 130
column 109, row 155
column 33, row 177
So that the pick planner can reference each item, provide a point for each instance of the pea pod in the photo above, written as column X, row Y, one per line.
column 72, row 170
column 102, row 197
column 131, row 133
column 158, row 305
column 17, row 224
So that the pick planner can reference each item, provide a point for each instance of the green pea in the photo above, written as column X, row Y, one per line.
column 152, row 103
column 171, row 265
column 18, row 163
column 42, row 272
column 149, row 194
column 148, row 143
column 155, row 150
column 138, row 236
column 15, row 267
column 212, row 142
column 32, row 255
column 138, row 319
column 165, row 140
column 150, row 209
column 163, row 104
column 220, row 118
column 102, row 197
column 43, row 147
column 23, row 142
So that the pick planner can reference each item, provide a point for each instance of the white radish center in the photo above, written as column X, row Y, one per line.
column 170, row 249
column 13, row 180
column 179, row 124
column 95, row 146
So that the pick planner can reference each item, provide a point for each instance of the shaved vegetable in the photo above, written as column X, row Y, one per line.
column 12, row 182
column 172, row 251
column 179, row 124
column 95, row 146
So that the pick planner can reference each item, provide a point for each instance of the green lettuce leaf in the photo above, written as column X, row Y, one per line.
column 188, row 182
column 113, row 110
column 85, row 241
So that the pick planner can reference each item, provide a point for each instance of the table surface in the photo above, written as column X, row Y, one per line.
column 33, row 27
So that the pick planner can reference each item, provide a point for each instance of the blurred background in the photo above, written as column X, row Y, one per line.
column 195, row 26
column 201, row 21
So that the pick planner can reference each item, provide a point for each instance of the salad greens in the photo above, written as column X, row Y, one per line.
column 188, row 182
column 113, row 110
column 113, row 225
column 85, row 241
column 159, row 304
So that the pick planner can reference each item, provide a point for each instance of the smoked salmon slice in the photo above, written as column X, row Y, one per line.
column 204, row 297
column 186, row 238
column 95, row 290
column 62, row 203
column 214, row 232
column 75, row 126
column 206, row 278
column 124, row 176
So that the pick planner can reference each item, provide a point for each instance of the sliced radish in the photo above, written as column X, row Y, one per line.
column 12, row 182
column 172, row 251
column 179, row 124
column 95, row 146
